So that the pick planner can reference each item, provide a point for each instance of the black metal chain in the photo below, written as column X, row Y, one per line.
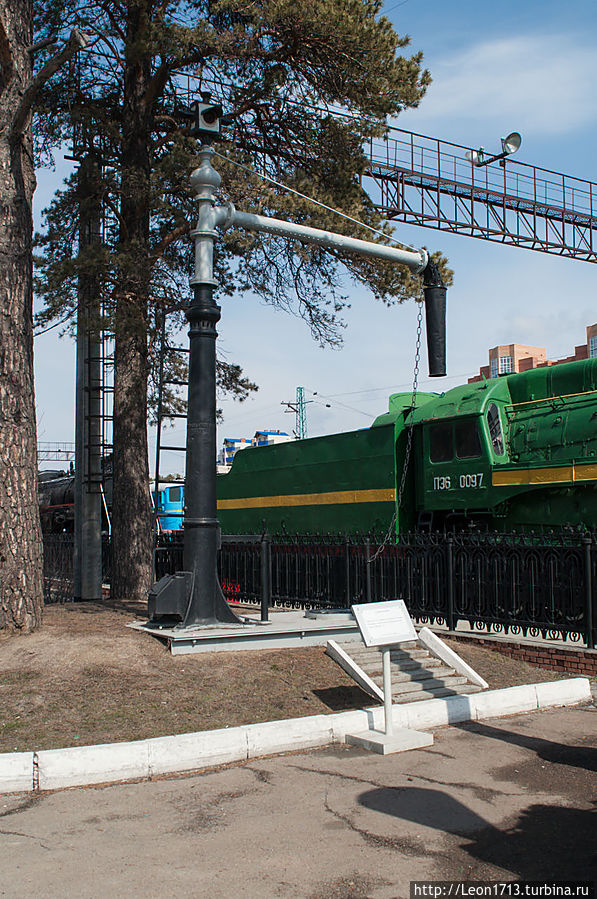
column 391, row 532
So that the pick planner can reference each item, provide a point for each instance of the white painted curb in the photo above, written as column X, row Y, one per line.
column 113, row 762
column 288, row 736
column 167, row 755
column 79, row 765
column 16, row 772
column 560, row 692
column 504, row 702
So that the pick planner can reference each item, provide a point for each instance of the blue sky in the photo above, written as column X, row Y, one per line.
column 524, row 66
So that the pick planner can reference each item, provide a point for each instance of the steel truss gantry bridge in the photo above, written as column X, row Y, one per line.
column 428, row 182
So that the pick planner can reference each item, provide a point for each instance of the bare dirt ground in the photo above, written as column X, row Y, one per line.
column 86, row 678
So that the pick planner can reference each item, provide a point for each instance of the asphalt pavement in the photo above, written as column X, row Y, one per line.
column 505, row 799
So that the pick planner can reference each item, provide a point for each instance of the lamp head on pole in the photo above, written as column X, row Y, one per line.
column 510, row 144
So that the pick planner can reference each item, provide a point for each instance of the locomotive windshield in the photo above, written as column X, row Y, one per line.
column 495, row 429
column 462, row 436
column 440, row 442
column 466, row 439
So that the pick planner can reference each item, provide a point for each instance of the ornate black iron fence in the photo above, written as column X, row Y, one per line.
column 59, row 552
column 58, row 568
column 535, row 585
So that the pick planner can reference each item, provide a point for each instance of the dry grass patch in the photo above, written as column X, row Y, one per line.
column 86, row 678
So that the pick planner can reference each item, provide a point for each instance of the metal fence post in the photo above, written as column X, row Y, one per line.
column 589, row 633
column 266, row 575
column 450, row 578
column 347, row 570
column 368, row 596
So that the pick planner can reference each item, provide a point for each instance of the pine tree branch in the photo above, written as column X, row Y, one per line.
column 115, row 23
column 116, row 213
column 160, row 142
column 157, row 84
column 77, row 41
column 168, row 239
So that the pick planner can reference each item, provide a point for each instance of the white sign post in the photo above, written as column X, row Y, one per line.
column 387, row 690
column 387, row 624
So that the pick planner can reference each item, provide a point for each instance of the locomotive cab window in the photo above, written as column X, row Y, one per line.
column 175, row 494
column 440, row 442
column 466, row 439
column 495, row 429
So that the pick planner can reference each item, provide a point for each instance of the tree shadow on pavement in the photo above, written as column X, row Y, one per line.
column 544, row 843
column 548, row 750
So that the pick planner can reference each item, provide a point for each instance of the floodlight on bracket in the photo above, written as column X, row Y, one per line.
column 510, row 144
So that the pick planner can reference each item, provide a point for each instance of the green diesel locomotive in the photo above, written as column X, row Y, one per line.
column 511, row 453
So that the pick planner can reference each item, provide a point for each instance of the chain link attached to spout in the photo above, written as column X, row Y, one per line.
column 391, row 532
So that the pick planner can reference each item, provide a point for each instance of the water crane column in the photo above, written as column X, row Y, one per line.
column 194, row 596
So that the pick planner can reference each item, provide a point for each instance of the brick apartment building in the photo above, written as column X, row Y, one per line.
column 515, row 357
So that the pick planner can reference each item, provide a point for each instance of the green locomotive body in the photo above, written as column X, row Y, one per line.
column 515, row 452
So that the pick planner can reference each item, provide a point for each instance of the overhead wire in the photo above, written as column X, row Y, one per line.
column 344, row 405
column 465, row 374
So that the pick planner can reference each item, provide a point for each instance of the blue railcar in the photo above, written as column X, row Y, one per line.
column 169, row 508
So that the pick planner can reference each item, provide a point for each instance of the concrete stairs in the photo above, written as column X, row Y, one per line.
column 416, row 672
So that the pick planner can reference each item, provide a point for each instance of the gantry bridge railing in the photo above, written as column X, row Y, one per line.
column 429, row 182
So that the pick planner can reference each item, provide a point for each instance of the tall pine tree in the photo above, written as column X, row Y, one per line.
column 283, row 70
column 21, row 594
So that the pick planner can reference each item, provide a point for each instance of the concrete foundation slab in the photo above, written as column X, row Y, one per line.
column 400, row 740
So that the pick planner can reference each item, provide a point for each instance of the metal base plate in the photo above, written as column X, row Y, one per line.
column 286, row 629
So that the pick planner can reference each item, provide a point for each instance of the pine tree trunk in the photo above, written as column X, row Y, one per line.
column 131, row 532
column 131, row 535
column 21, row 571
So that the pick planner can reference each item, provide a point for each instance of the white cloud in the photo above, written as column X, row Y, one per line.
column 542, row 84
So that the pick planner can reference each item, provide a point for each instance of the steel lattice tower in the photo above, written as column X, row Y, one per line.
column 301, row 414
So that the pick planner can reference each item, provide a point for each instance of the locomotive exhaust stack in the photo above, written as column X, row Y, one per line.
column 435, row 291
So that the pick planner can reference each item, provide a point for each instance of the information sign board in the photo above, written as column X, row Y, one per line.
column 384, row 623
